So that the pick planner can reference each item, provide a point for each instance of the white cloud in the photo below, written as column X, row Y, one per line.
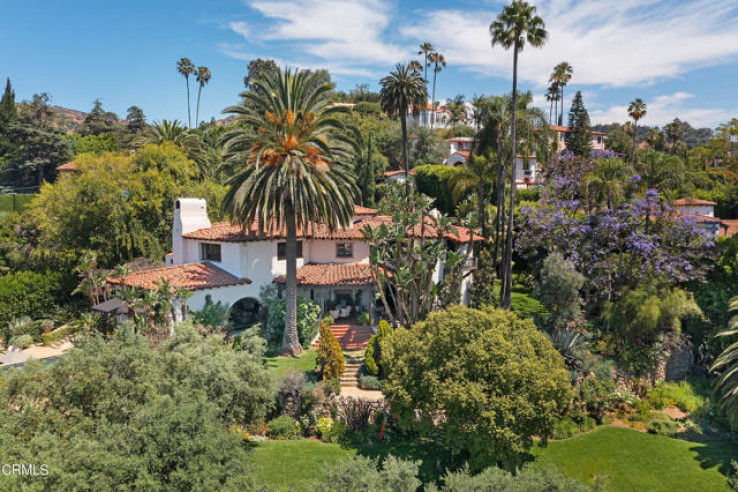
column 345, row 36
column 665, row 108
column 608, row 42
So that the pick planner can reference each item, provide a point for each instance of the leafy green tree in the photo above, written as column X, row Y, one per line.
column 37, row 151
column 579, row 138
column 727, row 367
column 401, row 89
column 93, row 144
column 293, row 171
column 517, row 25
column 257, row 70
column 373, row 354
column 662, row 172
column 636, row 110
column 27, row 293
column 8, row 111
column 136, row 119
column 607, row 181
column 497, row 380
column 559, row 288
column 99, row 121
column 185, row 68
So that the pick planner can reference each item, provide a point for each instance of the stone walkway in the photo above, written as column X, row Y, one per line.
column 373, row 395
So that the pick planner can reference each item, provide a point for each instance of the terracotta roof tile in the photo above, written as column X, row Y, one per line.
column 359, row 210
column 190, row 276
column 732, row 227
column 389, row 174
column 691, row 202
column 341, row 274
column 68, row 167
column 565, row 129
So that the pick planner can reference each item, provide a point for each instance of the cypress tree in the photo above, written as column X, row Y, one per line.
column 8, row 111
column 578, row 140
column 366, row 178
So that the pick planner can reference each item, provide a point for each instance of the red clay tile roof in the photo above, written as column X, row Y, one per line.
column 691, row 202
column 565, row 129
column 359, row 210
column 389, row 174
column 341, row 274
column 732, row 227
column 68, row 167
column 229, row 233
column 190, row 276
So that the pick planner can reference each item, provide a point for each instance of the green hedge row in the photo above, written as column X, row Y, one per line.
column 434, row 180
column 59, row 333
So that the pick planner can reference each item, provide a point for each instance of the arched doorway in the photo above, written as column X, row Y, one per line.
column 244, row 313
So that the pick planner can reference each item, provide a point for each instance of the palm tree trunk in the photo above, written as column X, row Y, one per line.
column 433, row 98
column 635, row 127
column 405, row 153
column 561, row 118
column 550, row 110
column 189, row 114
column 499, row 219
column 482, row 218
column 507, row 283
column 197, row 111
column 290, row 340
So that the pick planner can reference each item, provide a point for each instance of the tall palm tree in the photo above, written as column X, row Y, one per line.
column 517, row 25
column 636, row 110
column 415, row 66
column 439, row 63
column 426, row 49
column 202, row 76
column 290, row 156
column 561, row 76
column 552, row 95
column 727, row 362
column 401, row 89
column 475, row 176
column 186, row 68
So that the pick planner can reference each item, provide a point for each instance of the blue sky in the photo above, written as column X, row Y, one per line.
column 680, row 56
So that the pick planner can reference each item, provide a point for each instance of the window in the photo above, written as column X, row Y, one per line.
column 599, row 139
column 210, row 252
column 344, row 250
column 282, row 250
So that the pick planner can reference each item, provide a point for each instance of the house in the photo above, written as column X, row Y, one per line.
column 232, row 264
column 704, row 213
column 69, row 167
column 597, row 141
column 398, row 176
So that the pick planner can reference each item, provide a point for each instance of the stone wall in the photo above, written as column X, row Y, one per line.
column 675, row 364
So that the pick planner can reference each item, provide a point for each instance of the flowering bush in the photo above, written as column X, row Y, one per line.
column 323, row 426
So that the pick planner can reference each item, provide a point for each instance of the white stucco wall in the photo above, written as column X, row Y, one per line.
column 707, row 210
column 227, row 295
column 324, row 251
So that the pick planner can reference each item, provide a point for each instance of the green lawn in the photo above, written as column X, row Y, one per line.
column 292, row 465
column 633, row 460
column 21, row 201
column 629, row 459
column 280, row 365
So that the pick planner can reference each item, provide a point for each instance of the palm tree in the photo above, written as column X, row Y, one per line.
column 182, row 296
column 202, row 76
column 561, row 76
column 401, row 89
column 552, row 95
column 457, row 108
column 516, row 25
column 475, row 176
column 426, row 49
column 727, row 362
column 605, row 183
column 439, row 62
column 636, row 110
column 662, row 172
column 291, row 157
column 415, row 66
column 186, row 68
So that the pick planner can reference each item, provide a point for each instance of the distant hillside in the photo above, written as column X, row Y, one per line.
column 693, row 137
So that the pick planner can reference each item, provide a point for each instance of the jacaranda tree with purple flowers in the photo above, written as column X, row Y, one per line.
column 637, row 240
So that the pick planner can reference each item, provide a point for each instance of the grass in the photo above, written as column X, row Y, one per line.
column 21, row 201
column 293, row 465
column 634, row 460
column 279, row 366
column 629, row 460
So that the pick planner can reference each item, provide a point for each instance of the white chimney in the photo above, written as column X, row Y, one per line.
column 190, row 214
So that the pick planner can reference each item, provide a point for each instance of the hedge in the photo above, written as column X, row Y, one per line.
column 59, row 333
column 27, row 293
column 434, row 180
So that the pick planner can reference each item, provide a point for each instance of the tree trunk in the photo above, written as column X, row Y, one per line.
column 433, row 98
column 500, row 218
column 635, row 127
column 561, row 118
column 189, row 114
column 290, row 340
column 482, row 214
column 197, row 110
column 405, row 153
column 505, row 300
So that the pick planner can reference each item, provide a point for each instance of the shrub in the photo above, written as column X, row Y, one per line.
column 330, row 358
column 323, row 426
column 565, row 428
column 679, row 394
column 22, row 341
column 434, row 180
column 308, row 320
column 332, row 387
column 470, row 364
column 328, row 320
column 368, row 108
column 337, row 433
column 28, row 293
column 664, row 426
column 295, row 395
column 370, row 365
column 363, row 473
column 284, row 427
column 59, row 333
column 528, row 195
column 212, row 314
column 370, row 382
column 364, row 319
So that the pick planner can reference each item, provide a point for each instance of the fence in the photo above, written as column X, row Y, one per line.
column 14, row 202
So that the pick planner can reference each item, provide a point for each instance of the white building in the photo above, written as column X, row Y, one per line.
column 232, row 264
column 597, row 141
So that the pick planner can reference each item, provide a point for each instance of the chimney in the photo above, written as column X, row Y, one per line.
column 190, row 214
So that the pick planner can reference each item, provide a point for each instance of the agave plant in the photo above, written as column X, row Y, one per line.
column 727, row 364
